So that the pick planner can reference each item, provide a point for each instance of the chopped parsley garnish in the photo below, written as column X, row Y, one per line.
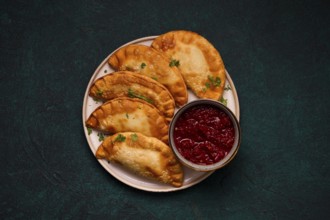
column 120, row 138
column 227, row 88
column 223, row 101
column 89, row 130
column 127, row 116
column 174, row 62
column 134, row 137
column 214, row 81
column 101, row 136
column 132, row 94
column 99, row 92
column 143, row 65
column 97, row 100
column 154, row 78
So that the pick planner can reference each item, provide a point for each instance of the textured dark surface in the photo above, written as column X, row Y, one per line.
column 277, row 53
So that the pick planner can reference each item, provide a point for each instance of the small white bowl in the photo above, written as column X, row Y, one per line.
column 231, row 154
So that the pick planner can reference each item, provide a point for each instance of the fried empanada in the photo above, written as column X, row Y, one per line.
column 134, row 85
column 129, row 114
column 146, row 156
column 199, row 62
column 149, row 62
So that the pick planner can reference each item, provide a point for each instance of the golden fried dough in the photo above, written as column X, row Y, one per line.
column 129, row 114
column 134, row 85
column 199, row 62
column 146, row 156
column 149, row 62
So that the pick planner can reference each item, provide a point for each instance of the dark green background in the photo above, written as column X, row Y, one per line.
column 277, row 53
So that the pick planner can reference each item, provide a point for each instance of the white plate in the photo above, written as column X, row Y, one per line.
column 191, row 177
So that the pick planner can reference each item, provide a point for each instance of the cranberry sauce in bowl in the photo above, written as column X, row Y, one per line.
column 205, row 135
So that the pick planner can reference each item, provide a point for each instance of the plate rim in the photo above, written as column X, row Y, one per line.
column 104, row 163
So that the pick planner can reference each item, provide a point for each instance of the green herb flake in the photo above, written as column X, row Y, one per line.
column 223, row 101
column 134, row 137
column 143, row 65
column 217, row 82
column 154, row 78
column 133, row 94
column 97, row 100
column 101, row 136
column 127, row 116
column 99, row 92
column 120, row 138
column 174, row 62
column 214, row 81
column 227, row 88
column 89, row 130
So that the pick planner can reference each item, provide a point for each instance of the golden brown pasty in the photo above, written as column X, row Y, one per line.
column 129, row 114
column 199, row 62
column 146, row 156
column 149, row 62
column 134, row 85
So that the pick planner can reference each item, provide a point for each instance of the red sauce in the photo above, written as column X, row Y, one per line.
column 204, row 134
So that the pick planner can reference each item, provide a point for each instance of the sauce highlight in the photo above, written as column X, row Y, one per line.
column 204, row 134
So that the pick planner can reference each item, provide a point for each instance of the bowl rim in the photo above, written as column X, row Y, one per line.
column 232, row 153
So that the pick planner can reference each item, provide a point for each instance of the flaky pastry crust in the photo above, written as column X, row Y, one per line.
column 200, row 63
column 129, row 114
column 147, row 61
column 146, row 156
column 134, row 85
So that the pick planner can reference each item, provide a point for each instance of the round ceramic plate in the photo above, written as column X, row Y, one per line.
column 191, row 177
